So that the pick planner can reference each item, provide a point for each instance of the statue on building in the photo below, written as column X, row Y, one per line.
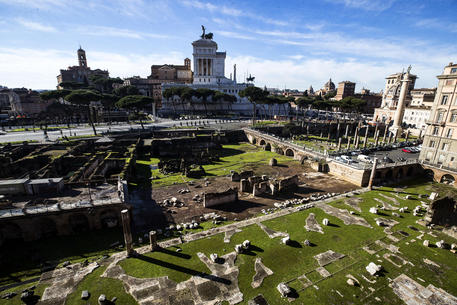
column 203, row 30
column 250, row 78
column 206, row 36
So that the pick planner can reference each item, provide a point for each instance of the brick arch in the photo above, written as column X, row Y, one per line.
column 267, row 147
column 262, row 142
column 289, row 152
column 448, row 179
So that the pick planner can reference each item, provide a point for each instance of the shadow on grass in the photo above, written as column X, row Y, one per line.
column 227, row 152
column 173, row 253
column 333, row 225
column 184, row 270
column 237, row 207
column 294, row 244
column 252, row 250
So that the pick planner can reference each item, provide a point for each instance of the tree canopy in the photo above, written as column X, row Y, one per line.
column 254, row 94
column 134, row 101
column 82, row 97
column 126, row 90
column 54, row 94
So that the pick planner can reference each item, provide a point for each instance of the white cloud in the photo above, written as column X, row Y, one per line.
column 36, row 26
column 301, row 72
column 431, row 23
column 116, row 32
column 235, row 35
column 369, row 5
column 38, row 69
column 38, row 4
column 229, row 11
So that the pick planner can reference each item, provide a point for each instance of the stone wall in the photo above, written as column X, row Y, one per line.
column 213, row 199
column 443, row 212
column 288, row 183
column 359, row 177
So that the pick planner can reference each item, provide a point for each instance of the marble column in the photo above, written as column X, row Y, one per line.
column 373, row 172
column 349, row 143
column 366, row 136
column 398, row 117
column 125, row 215
column 339, row 144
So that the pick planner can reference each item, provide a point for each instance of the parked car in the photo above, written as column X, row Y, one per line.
column 387, row 160
column 346, row 158
column 407, row 150
column 364, row 158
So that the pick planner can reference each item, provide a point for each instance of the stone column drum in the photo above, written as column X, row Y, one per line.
column 125, row 215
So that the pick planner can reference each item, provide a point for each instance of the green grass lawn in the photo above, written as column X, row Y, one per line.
column 97, row 285
column 237, row 157
column 290, row 262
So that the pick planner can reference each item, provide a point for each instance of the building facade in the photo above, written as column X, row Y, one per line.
column 345, row 88
column 440, row 142
column 209, row 73
column 26, row 103
column 390, row 98
column 79, row 74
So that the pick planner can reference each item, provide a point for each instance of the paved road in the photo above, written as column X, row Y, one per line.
column 82, row 131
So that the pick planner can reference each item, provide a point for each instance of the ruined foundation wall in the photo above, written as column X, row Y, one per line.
column 213, row 199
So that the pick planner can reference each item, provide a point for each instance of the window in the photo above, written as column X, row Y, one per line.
column 453, row 117
column 439, row 116
column 435, row 131
column 429, row 155
column 432, row 143
column 449, row 133
column 449, row 82
column 441, row 158
column 453, row 70
column 444, row 100
column 445, row 146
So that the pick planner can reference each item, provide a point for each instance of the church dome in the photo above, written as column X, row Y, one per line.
column 329, row 85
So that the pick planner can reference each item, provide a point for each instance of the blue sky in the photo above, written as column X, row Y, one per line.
column 290, row 44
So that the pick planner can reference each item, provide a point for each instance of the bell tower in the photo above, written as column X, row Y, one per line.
column 82, row 57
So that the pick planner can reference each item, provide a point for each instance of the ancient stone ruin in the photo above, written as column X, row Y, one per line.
column 213, row 199
column 442, row 211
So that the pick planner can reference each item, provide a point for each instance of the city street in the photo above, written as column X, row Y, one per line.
column 87, row 130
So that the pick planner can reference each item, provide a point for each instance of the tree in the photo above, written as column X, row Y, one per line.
column 135, row 102
column 171, row 93
column 108, row 102
column 104, row 84
column 187, row 94
column 126, row 90
column 54, row 94
column 72, row 85
column 221, row 97
column 255, row 95
column 204, row 94
column 83, row 98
